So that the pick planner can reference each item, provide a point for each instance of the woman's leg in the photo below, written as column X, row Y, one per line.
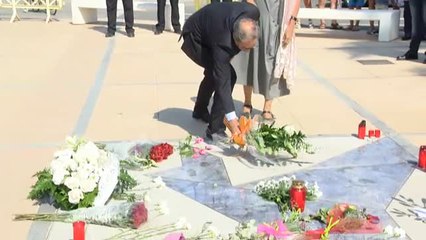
column 308, row 4
column 248, row 90
column 371, row 5
column 321, row 4
column 333, row 5
column 267, row 109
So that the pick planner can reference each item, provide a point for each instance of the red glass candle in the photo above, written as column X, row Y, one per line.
column 370, row 133
column 298, row 195
column 79, row 230
column 377, row 133
column 422, row 157
column 361, row 129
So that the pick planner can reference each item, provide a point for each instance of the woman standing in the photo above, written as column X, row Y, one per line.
column 269, row 68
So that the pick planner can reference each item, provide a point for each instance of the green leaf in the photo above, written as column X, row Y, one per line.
column 125, row 182
column 43, row 186
column 275, row 139
column 88, row 199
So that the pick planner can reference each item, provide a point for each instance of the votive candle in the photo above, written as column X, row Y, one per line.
column 422, row 157
column 298, row 195
column 78, row 228
column 361, row 129
column 377, row 133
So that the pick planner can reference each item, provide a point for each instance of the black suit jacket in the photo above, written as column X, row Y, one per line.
column 208, row 41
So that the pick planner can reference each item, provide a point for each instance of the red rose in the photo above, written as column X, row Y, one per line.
column 161, row 152
column 139, row 215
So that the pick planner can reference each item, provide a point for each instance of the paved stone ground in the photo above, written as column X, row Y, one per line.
column 58, row 79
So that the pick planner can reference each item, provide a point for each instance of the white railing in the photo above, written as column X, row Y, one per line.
column 47, row 5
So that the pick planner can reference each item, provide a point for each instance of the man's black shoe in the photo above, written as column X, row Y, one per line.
column 131, row 34
column 109, row 34
column 205, row 116
column 405, row 38
column 158, row 31
column 407, row 56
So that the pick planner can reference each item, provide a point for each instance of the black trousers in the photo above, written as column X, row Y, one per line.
column 201, row 56
column 112, row 15
column 407, row 19
column 418, row 15
column 161, row 7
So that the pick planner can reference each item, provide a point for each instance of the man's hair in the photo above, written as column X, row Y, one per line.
column 241, row 34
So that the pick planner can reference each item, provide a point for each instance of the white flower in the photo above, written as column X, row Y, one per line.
column 399, row 232
column 316, row 187
column 293, row 177
column 289, row 129
column 63, row 155
column 87, row 153
column 92, row 152
column 87, row 170
column 56, row 165
column 213, row 232
column 58, row 175
column 252, row 222
column 318, row 194
column 75, row 195
column 261, row 184
column 388, row 230
column 88, row 185
column 158, row 182
column 285, row 180
column 71, row 142
column 163, row 208
column 104, row 158
column 245, row 233
column 72, row 182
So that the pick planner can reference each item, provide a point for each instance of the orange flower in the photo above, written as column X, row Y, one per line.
column 239, row 139
column 245, row 124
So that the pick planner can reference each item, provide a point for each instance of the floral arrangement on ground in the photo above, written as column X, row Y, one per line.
column 268, row 139
column 82, row 174
column 76, row 181
column 145, row 156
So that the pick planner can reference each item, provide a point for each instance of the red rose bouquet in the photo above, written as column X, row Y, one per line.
column 160, row 152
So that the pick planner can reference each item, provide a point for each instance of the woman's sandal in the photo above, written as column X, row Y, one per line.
column 247, row 114
column 268, row 118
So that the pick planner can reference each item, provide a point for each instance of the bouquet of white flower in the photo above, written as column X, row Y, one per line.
column 279, row 191
column 80, row 175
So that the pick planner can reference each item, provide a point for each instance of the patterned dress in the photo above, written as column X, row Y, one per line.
column 269, row 67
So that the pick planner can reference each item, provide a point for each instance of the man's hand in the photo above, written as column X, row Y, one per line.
column 234, row 127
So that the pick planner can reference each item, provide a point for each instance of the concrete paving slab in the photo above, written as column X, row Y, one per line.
column 241, row 170
column 123, row 112
column 411, row 195
column 403, row 113
column 18, row 165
